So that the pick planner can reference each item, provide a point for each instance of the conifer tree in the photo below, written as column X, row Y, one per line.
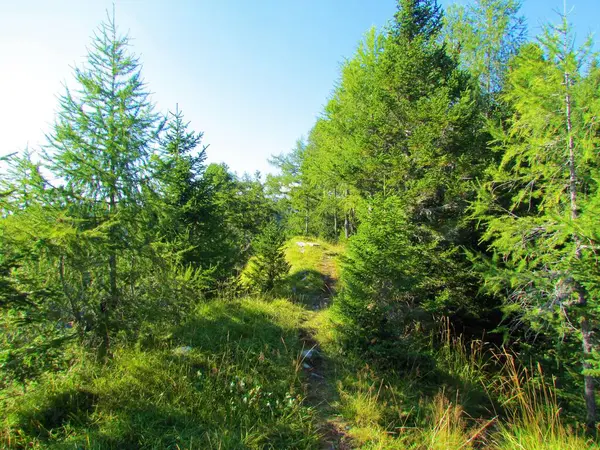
column 268, row 266
column 537, row 204
column 299, row 190
column 30, row 300
column 242, row 208
column 183, row 204
column 486, row 34
column 416, row 134
column 179, row 169
column 99, row 149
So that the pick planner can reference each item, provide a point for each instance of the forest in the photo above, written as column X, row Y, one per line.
column 419, row 272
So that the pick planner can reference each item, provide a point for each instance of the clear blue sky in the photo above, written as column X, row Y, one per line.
column 252, row 75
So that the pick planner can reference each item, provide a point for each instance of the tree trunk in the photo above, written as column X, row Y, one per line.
column 335, row 213
column 347, row 219
column 306, row 219
column 107, row 305
column 114, row 298
column 346, row 225
column 589, row 382
column 335, row 223
column 586, row 329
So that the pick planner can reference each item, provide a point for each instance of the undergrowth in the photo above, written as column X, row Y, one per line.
column 226, row 378
column 233, row 376
column 475, row 398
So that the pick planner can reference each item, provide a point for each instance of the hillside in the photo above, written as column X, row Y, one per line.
column 230, row 376
column 270, row 373
column 420, row 270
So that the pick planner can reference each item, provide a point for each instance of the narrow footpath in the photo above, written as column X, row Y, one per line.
column 318, row 369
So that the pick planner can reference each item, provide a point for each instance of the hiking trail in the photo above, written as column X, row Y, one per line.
column 316, row 277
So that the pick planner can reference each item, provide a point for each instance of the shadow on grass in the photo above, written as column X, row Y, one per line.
column 228, row 322
column 235, row 387
column 69, row 407
column 411, row 378
column 309, row 287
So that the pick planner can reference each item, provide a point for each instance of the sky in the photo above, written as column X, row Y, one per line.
column 252, row 75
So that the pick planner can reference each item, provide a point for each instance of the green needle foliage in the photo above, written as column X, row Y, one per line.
column 458, row 166
column 185, row 228
column 268, row 265
column 407, row 134
column 118, row 226
column 297, row 194
column 486, row 34
column 99, row 149
column 536, row 205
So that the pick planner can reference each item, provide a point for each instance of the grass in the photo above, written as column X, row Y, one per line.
column 227, row 378
column 533, row 415
column 322, row 257
column 231, row 376
column 469, row 400
column 314, row 270
column 394, row 411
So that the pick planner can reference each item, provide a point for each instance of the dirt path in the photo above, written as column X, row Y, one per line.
column 328, row 271
column 318, row 369
column 321, row 394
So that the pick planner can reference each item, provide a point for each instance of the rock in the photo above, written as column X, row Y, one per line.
column 309, row 354
column 182, row 350
column 309, row 244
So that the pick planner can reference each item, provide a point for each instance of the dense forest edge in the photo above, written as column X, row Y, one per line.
column 421, row 272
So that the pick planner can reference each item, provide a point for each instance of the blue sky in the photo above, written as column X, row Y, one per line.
column 252, row 75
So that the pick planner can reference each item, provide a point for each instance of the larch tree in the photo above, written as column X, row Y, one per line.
column 299, row 191
column 537, row 205
column 486, row 34
column 99, row 149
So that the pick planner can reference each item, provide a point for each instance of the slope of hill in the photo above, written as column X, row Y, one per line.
column 270, row 373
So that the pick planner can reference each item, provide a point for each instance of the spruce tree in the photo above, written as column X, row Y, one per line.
column 268, row 265
column 416, row 135
column 242, row 208
column 182, row 201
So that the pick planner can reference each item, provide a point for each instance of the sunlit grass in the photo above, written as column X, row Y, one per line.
column 533, row 415
column 227, row 378
column 322, row 256
column 410, row 411
column 314, row 269
column 231, row 376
